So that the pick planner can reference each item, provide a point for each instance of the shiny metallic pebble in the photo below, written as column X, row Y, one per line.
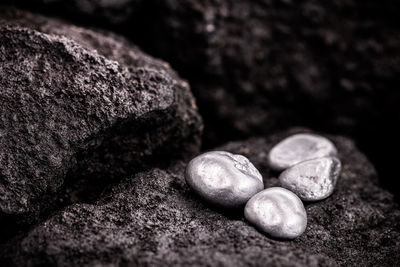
column 313, row 179
column 277, row 212
column 223, row 179
column 298, row 148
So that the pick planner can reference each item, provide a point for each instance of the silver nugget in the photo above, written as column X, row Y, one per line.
column 277, row 212
column 298, row 148
column 223, row 179
column 312, row 180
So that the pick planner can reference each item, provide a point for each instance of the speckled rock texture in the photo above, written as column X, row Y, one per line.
column 80, row 103
column 154, row 219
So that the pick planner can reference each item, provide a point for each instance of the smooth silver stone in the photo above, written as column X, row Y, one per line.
column 277, row 212
column 298, row 148
column 313, row 179
column 223, row 179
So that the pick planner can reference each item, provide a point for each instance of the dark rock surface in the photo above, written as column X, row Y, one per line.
column 81, row 103
column 153, row 219
column 332, row 66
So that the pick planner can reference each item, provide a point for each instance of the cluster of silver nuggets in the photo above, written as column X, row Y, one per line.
column 310, row 172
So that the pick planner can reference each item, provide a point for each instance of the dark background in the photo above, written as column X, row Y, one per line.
column 257, row 67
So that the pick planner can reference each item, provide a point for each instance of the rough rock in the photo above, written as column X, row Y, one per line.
column 154, row 219
column 82, row 103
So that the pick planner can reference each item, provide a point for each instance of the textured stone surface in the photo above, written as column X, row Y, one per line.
column 76, row 102
column 223, row 179
column 154, row 219
column 277, row 212
column 313, row 179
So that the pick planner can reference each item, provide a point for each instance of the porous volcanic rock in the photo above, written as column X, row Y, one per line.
column 154, row 219
column 82, row 103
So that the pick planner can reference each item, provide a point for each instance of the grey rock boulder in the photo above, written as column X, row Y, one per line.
column 82, row 104
column 154, row 219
